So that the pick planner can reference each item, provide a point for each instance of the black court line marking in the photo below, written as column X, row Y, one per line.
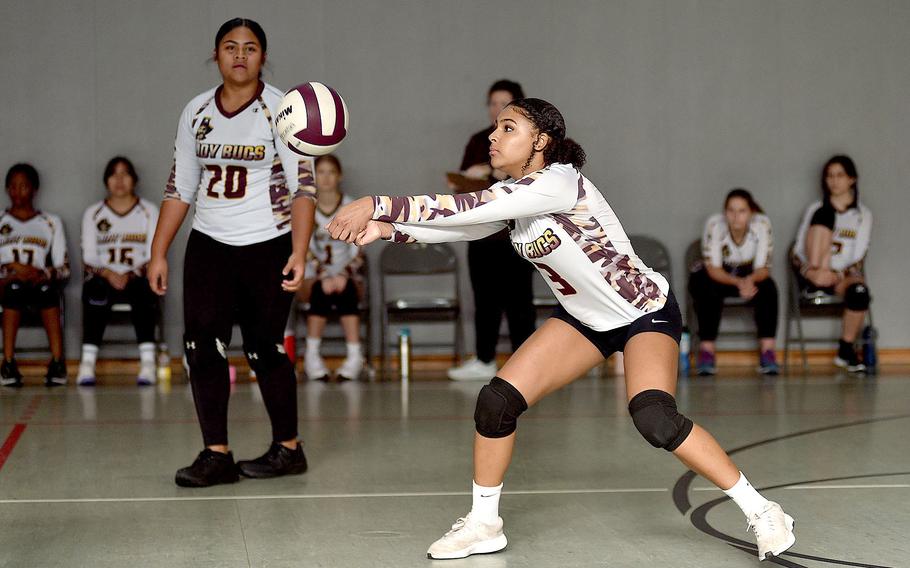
column 699, row 520
column 9, row 444
column 681, row 488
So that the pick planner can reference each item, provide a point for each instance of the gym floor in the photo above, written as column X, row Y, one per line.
column 86, row 477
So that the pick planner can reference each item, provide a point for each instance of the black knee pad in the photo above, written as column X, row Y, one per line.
column 96, row 291
column 857, row 297
column 824, row 216
column 204, row 353
column 654, row 414
column 265, row 357
column 499, row 405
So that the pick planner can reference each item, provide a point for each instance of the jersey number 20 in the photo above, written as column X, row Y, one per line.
column 234, row 181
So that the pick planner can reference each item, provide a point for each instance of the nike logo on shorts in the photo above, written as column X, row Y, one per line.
column 658, row 321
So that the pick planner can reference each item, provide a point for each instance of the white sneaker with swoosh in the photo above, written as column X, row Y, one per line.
column 468, row 537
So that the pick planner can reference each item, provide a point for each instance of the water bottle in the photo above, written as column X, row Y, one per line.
column 870, row 356
column 685, row 343
column 164, row 365
column 404, row 354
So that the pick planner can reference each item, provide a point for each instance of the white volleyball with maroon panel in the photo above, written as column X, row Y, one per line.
column 312, row 119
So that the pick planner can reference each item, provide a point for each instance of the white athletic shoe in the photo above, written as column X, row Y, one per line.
column 86, row 376
column 148, row 373
column 314, row 367
column 473, row 370
column 773, row 531
column 351, row 367
column 469, row 537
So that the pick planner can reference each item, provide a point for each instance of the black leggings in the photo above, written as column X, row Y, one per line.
column 709, row 295
column 223, row 284
column 502, row 283
column 97, row 298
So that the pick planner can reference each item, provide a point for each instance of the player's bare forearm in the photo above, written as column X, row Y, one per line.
column 173, row 212
column 303, row 213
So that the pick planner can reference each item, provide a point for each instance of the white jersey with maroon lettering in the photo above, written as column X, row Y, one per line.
column 327, row 256
column 120, row 243
column 240, row 175
column 38, row 241
column 852, row 233
column 719, row 249
column 558, row 221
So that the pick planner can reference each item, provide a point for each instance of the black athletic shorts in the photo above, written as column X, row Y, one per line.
column 18, row 295
column 344, row 303
column 666, row 320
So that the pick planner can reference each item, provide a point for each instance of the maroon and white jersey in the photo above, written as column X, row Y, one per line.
column 852, row 233
column 740, row 259
column 240, row 175
column 38, row 241
column 120, row 243
column 559, row 222
column 328, row 257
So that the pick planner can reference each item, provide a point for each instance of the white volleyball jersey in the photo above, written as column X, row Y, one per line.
column 719, row 249
column 38, row 241
column 240, row 175
column 852, row 233
column 328, row 257
column 121, row 243
column 560, row 223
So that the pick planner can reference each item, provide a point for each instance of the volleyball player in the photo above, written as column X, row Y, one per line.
column 609, row 301
column 501, row 281
column 831, row 247
column 736, row 253
column 33, row 267
column 245, row 255
column 116, row 240
column 333, row 279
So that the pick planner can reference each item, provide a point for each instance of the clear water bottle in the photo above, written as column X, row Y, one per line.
column 870, row 356
column 163, row 364
column 685, row 346
column 404, row 354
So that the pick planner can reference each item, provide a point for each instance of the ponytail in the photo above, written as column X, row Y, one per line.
column 567, row 151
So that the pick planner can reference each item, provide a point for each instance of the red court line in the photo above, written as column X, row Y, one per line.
column 10, row 442
column 18, row 428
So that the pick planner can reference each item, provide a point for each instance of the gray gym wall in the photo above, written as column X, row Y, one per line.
column 675, row 102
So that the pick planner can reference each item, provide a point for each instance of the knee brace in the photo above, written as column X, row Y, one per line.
column 204, row 354
column 96, row 291
column 824, row 216
column 857, row 297
column 499, row 405
column 655, row 416
column 265, row 357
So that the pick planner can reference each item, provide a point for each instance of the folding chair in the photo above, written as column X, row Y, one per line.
column 430, row 263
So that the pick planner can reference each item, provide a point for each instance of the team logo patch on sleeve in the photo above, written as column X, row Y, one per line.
column 5, row 229
column 204, row 128
column 103, row 226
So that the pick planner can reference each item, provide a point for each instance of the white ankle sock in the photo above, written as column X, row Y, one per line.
column 89, row 354
column 485, row 503
column 353, row 350
column 312, row 344
column 744, row 495
column 147, row 353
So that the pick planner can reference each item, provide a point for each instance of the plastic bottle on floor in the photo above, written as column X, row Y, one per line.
column 685, row 342
column 404, row 354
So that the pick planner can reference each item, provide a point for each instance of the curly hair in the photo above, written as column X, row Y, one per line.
column 548, row 120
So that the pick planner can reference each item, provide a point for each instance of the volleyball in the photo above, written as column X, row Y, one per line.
column 312, row 119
